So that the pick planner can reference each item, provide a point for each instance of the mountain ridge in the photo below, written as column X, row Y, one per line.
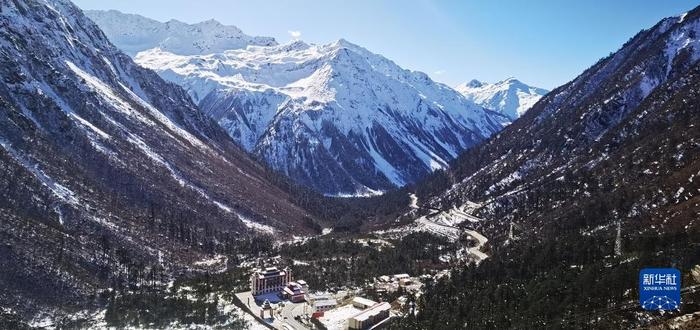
column 334, row 117
column 597, row 181
column 602, row 101
column 136, row 33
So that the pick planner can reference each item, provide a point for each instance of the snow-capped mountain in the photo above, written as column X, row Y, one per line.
column 105, row 164
column 622, row 137
column 335, row 117
column 510, row 97
column 135, row 33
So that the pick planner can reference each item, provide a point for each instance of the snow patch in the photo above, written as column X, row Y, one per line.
column 259, row 227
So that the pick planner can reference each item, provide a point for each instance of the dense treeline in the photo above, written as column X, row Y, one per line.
column 160, row 310
column 571, row 282
column 192, row 300
column 331, row 263
column 125, row 269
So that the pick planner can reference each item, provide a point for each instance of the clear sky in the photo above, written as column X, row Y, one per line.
column 543, row 42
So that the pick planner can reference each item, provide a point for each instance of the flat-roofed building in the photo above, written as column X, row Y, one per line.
column 269, row 280
column 320, row 296
column 325, row 305
column 303, row 284
column 363, row 303
column 370, row 317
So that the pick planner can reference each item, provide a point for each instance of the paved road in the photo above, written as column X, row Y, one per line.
column 455, row 231
column 289, row 312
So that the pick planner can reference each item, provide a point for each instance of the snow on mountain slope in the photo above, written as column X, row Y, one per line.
column 135, row 33
column 104, row 163
column 602, row 163
column 622, row 134
column 335, row 117
column 510, row 97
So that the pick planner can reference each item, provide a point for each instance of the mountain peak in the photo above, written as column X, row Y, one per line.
column 344, row 43
column 211, row 21
column 510, row 97
column 474, row 83
column 294, row 45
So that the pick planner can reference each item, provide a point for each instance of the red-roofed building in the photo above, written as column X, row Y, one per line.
column 294, row 292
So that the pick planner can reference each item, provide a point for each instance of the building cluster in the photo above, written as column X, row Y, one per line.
column 272, row 283
column 391, row 283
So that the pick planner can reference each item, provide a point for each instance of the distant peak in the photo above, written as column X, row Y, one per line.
column 174, row 21
column 295, row 45
column 344, row 43
column 474, row 83
column 210, row 22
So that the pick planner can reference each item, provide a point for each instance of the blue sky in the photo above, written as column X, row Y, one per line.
column 544, row 43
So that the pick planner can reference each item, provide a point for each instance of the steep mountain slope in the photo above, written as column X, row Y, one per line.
column 334, row 117
column 509, row 97
column 598, row 180
column 105, row 166
column 134, row 33
column 597, row 111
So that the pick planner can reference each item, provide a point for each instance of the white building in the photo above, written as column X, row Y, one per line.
column 370, row 317
column 303, row 284
column 362, row 303
column 325, row 305
column 320, row 296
